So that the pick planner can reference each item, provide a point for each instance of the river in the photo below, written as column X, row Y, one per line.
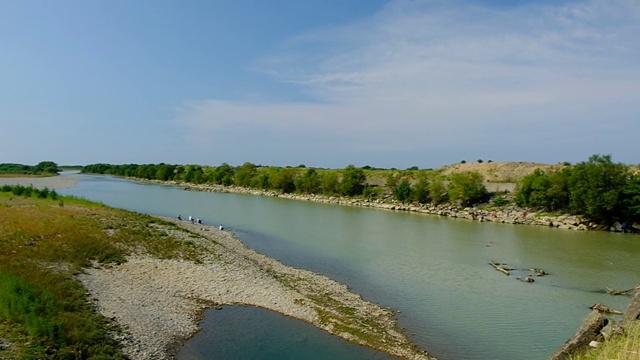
column 434, row 271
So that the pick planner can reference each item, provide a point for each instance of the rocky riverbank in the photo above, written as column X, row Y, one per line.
column 505, row 215
column 159, row 302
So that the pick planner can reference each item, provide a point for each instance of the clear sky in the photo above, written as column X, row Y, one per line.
column 324, row 83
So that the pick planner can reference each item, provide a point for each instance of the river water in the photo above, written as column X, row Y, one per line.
column 434, row 271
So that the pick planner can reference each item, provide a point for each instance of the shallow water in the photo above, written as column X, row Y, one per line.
column 245, row 332
column 434, row 270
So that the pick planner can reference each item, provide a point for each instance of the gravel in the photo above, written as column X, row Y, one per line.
column 159, row 302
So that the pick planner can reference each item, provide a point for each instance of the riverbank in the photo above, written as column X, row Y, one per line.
column 158, row 296
column 160, row 301
column 51, row 182
column 505, row 215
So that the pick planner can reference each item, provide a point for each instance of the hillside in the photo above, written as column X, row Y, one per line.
column 500, row 171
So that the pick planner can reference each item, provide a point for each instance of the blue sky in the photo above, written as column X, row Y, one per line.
column 324, row 83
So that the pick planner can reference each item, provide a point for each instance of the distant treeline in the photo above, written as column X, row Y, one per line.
column 411, row 185
column 43, row 168
column 599, row 189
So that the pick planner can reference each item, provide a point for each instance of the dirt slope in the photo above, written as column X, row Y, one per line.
column 500, row 171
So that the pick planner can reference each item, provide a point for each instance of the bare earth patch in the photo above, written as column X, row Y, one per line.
column 51, row 182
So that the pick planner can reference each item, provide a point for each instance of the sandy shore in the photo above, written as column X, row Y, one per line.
column 51, row 182
column 160, row 302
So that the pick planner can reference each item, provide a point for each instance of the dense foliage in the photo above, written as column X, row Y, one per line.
column 43, row 168
column 410, row 186
column 599, row 189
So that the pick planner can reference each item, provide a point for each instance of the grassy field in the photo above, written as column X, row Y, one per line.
column 45, row 312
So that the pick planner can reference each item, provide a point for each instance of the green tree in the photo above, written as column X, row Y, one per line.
column 353, row 179
column 596, row 188
column 467, row 187
column 47, row 167
column 284, row 180
column 438, row 191
column 392, row 181
column 420, row 191
column 244, row 174
column 532, row 190
column 329, row 183
column 403, row 191
column 223, row 175
column 164, row 172
column 631, row 199
column 308, row 182
column 558, row 194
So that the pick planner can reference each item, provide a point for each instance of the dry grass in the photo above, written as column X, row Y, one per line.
column 623, row 347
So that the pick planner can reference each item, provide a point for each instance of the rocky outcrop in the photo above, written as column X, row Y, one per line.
column 632, row 313
column 596, row 328
column 589, row 331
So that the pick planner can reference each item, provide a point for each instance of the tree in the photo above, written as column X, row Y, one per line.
column 420, row 192
column 558, row 193
column 223, row 175
column 438, row 191
column 631, row 199
column 596, row 188
column 403, row 191
column 532, row 189
column 467, row 187
column 392, row 181
column 47, row 167
column 244, row 174
column 329, row 183
column 283, row 180
column 353, row 179
column 309, row 182
column 164, row 172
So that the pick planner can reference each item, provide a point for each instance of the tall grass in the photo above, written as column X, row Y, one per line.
column 42, row 246
column 622, row 347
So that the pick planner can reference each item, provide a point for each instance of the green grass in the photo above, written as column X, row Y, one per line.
column 45, row 312
column 623, row 347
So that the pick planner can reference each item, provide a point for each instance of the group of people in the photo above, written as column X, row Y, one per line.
column 197, row 220
column 191, row 219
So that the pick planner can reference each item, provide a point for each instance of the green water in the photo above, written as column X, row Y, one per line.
column 433, row 270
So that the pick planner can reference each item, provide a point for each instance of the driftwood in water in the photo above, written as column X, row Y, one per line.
column 499, row 268
column 604, row 309
column 619, row 292
column 539, row 272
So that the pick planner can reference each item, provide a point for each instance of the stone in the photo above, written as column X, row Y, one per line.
column 632, row 313
column 616, row 227
column 612, row 329
column 588, row 332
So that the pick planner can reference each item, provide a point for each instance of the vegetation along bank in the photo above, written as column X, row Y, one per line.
column 594, row 194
